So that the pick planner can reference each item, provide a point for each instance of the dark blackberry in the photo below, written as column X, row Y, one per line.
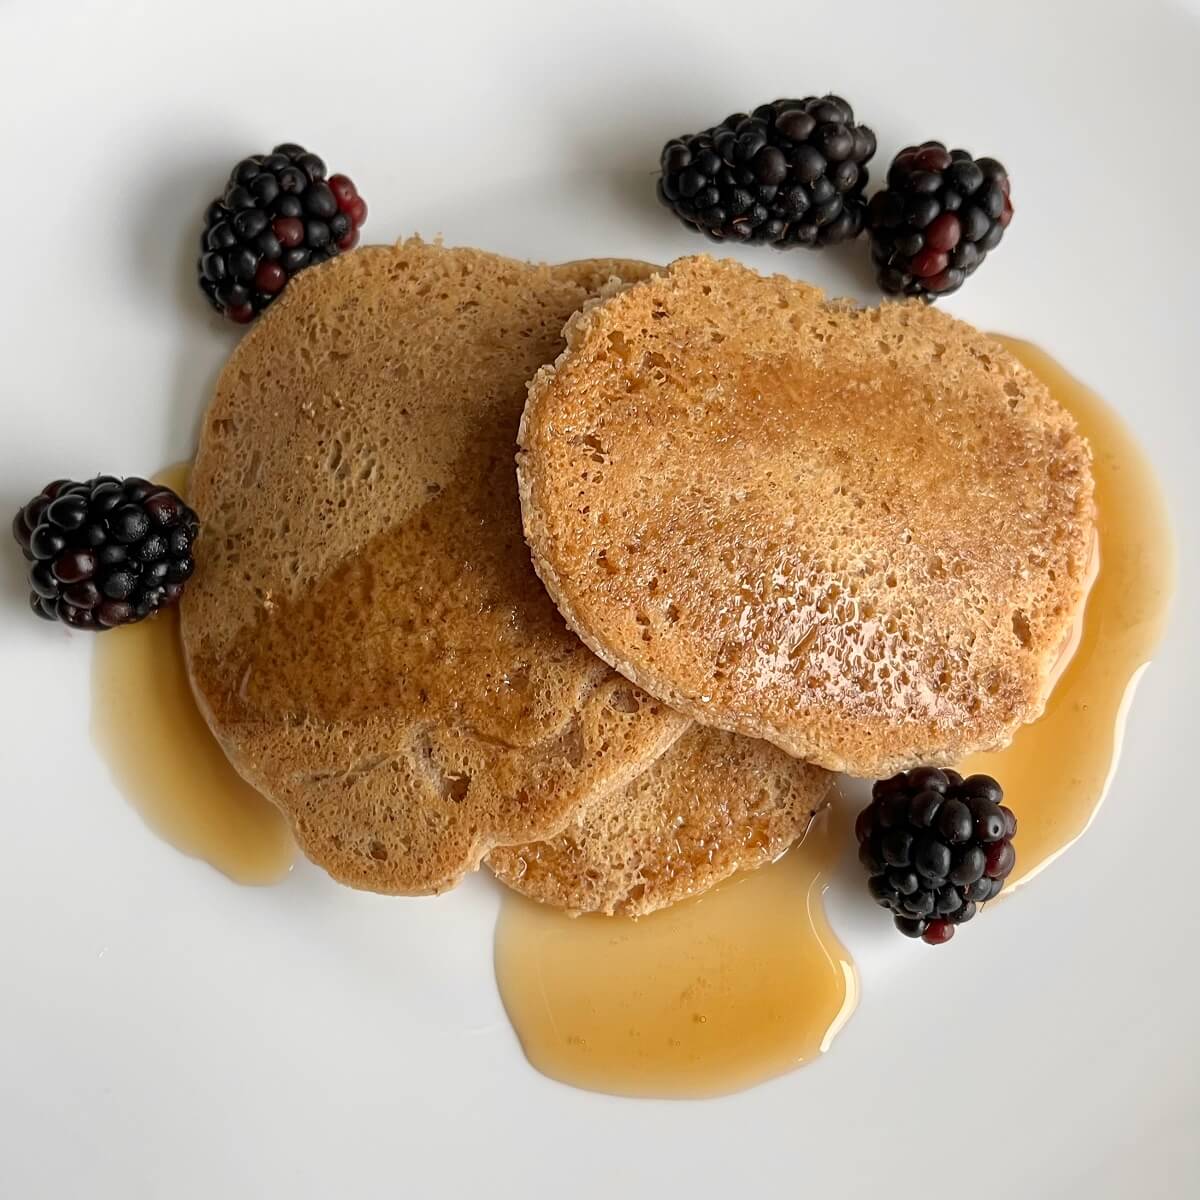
column 937, row 218
column 791, row 173
column 277, row 215
column 106, row 552
column 936, row 846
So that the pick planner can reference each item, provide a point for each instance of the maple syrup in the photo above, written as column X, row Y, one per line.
column 1057, row 770
column 166, row 761
column 748, row 981
column 710, row 996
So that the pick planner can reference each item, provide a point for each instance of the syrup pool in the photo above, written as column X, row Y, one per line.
column 709, row 996
column 1056, row 771
column 163, row 757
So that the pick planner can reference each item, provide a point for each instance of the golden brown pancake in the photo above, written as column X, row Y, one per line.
column 712, row 805
column 861, row 534
column 364, row 631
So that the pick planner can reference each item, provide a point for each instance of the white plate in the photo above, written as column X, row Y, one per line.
column 166, row 1033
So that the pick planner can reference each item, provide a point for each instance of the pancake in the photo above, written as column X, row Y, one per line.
column 365, row 632
column 605, row 276
column 861, row 534
column 712, row 805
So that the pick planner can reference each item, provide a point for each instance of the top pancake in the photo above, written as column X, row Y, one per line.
column 364, row 630
column 859, row 534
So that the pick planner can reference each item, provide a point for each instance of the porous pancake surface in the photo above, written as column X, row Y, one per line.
column 712, row 805
column 364, row 630
column 861, row 534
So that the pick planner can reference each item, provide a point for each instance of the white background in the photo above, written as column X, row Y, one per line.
column 164, row 1033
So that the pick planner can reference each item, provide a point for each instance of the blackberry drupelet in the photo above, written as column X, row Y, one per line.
column 791, row 173
column 106, row 552
column 277, row 215
column 936, row 220
column 936, row 846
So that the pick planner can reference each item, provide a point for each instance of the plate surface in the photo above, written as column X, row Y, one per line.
column 164, row 1032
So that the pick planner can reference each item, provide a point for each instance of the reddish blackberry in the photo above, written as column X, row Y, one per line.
column 936, row 846
column 791, row 173
column 106, row 552
column 277, row 215
column 936, row 220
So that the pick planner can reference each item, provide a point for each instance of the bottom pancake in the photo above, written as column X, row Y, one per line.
column 712, row 805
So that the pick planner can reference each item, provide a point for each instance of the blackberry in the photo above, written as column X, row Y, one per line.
column 791, row 173
column 106, row 552
column 277, row 215
column 934, row 223
column 936, row 846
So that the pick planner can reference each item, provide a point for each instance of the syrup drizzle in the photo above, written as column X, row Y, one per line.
column 164, row 758
column 706, row 997
column 1056, row 771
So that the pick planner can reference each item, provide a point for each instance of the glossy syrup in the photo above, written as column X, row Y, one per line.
column 167, row 763
column 749, row 981
column 1057, row 770
column 710, row 996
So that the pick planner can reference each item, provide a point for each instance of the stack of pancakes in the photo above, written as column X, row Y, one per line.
column 751, row 537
